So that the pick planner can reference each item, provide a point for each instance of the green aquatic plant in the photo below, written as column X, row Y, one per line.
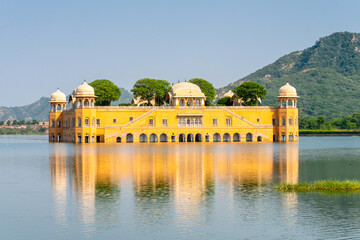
column 323, row 185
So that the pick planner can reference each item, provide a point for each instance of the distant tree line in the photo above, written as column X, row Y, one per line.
column 322, row 123
column 19, row 123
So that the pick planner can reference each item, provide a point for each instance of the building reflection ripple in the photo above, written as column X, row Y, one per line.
column 163, row 182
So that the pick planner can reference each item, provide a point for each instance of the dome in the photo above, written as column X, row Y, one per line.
column 287, row 91
column 58, row 96
column 84, row 90
column 186, row 89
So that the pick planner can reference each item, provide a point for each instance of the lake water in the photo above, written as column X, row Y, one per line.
column 175, row 191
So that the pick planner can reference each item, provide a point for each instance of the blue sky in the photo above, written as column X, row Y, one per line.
column 50, row 44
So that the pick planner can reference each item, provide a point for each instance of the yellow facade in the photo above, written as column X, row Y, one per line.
column 185, row 120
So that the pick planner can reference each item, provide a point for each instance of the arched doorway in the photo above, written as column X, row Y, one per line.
column 291, row 138
column 163, row 138
column 129, row 138
column 59, row 138
column 216, row 137
column 249, row 137
column 153, row 137
column 207, row 138
column 118, row 139
column 53, row 138
column 226, row 137
column 236, row 137
column 259, row 138
column 190, row 137
column 198, row 137
column 182, row 137
column 143, row 138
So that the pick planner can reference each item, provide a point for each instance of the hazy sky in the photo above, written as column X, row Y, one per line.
column 49, row 44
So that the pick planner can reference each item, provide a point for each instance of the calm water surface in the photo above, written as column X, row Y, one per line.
column 175, row 191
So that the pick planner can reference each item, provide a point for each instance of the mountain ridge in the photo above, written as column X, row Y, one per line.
column 326, row 76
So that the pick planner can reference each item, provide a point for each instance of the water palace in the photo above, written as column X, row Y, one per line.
column 185, row 119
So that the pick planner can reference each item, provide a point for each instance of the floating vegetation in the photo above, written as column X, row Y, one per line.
column 324, row 185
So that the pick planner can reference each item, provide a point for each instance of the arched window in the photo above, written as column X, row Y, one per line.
column 163, row 138
column 236, row 137
column 197, row 102
column 226, row 137
column 249, row 137
column 182, row 102
column 153, row 137
column 216, row 137
column 143, row 138
column 129, row 138
column 118, row 139
column 259, row 138
column 190, row 103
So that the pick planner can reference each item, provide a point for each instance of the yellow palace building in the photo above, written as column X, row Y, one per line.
column 185, row 119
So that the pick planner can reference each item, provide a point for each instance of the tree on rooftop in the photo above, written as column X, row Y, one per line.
column 105, row 92
column 148, row 89
column 206, row 87
column 250, row 93
column 224, row 101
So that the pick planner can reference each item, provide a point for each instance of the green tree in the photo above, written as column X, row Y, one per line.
column 224, row 101
column 320, row 120
column 8, row 122
column 162, row 87
column 22, row 122
column 15, row 122
column 105, row 91
column 206, row 87
column 34, row 121
column 2, row 123
column 250, row 93
column 148, row 89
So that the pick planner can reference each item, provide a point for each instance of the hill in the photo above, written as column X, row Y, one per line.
column 326, row 76
column 39, row 110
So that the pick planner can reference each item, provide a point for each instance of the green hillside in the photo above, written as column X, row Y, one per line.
column 326, row 76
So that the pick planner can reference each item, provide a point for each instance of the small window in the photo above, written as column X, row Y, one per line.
column 86, row 122
column 274, row 122
column 114, row 120
column 214, row 122
column 290, row 122
column 131, row 119
column 79, row 122
column 151, row 122
column 93, row 122
column 295, row 121
column 59, row 124
column 73, row 122
column 165, row 122
column 98, row 122
column 53, row 123
column 258, row 120
column 283, row 122
column 228, row 122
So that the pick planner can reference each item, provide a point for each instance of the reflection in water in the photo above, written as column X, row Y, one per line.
column 166, row 181
column 58, row 182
